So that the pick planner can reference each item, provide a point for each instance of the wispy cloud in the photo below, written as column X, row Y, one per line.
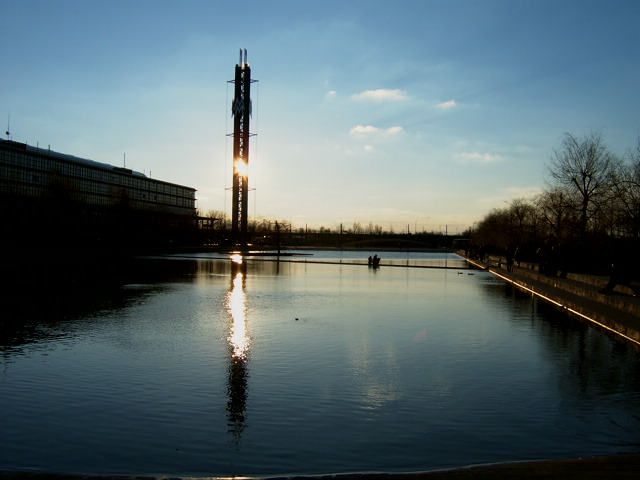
column 504, row 196
column 331, row 94
column 359, row 149
column 447, row 105
column 381, row 95
column 370, row 130
column 477, row 157
column 523, row 192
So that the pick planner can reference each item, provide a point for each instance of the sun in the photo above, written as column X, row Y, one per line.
column 241, row 167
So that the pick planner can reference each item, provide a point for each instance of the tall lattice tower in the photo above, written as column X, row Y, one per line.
column 241, row 111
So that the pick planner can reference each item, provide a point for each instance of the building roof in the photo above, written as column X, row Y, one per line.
column 70, row 158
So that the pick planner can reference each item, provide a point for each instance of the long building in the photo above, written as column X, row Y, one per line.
column 84, row 194
column 35, row 172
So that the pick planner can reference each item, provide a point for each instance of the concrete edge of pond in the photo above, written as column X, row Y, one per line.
column 578, row 295
column 598, row 467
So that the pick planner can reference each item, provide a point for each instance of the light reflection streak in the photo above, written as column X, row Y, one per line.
column 239, row 343
column 236, row 305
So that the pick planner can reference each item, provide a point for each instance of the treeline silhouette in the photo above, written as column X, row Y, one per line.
column 588, row 212
column 215, row 231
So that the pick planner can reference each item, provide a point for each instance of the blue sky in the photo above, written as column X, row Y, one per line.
column 400, row 113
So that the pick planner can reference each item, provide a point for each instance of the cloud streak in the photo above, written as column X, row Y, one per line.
column 370, row 130
column 477, row 157
column 381, row 95
column 447, row 105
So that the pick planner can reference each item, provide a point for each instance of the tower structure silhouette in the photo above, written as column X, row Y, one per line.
column 241, row 111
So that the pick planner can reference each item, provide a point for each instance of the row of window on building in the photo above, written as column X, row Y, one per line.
column 27, row 171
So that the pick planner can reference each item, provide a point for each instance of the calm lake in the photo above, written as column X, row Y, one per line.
column 311, row 365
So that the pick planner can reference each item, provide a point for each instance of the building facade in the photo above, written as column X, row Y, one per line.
column 80, row 193
column 28, row 171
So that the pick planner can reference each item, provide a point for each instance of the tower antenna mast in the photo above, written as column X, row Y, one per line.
column 8, row 132
column 241, row 112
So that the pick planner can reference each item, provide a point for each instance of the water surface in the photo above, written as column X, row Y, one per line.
column 209, row 367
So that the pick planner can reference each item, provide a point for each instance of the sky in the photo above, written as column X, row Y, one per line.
column 415, row 115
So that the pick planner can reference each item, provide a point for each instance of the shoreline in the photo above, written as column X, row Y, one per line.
column 580, row 468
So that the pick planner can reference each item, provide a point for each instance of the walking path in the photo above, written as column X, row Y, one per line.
column 578, row 295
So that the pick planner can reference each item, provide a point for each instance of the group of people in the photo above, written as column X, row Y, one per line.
column 374, row 261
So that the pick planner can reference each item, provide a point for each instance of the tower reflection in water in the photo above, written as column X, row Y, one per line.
column 239, row 343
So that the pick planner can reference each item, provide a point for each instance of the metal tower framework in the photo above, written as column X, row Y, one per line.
column 241, row 111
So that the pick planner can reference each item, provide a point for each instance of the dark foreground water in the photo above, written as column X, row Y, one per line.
column 209, row 367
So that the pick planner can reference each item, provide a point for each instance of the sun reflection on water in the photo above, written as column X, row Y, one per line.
column 237, row 308
column 239, row 343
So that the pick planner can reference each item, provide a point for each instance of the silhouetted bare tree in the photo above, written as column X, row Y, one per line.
column 220, row 219
column 556, row 213
column 626, row 187
column 583, row 166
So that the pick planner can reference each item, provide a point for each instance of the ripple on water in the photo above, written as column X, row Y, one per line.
column 397, row 370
